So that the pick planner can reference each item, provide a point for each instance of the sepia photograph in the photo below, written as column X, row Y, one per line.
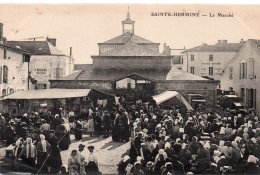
column 129, row 89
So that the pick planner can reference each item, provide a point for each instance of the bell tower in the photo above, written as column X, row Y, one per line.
column 128, row 24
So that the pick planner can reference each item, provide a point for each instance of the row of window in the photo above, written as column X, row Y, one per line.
column 248, row 96
column 192, row 57
column 245, row 70
column 5, row 91
column 211, row 70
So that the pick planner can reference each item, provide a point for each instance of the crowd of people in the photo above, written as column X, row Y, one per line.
column 172, row 141
column 196, row 142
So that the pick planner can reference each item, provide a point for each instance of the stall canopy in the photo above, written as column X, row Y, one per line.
column 167, row 95
column 48, row 94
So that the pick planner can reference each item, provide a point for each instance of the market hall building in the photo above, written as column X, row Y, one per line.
column 130, row 62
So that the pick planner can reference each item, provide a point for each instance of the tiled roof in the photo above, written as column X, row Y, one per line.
column 14, row 48
column 131, row 49
column 82, row 66
column 36, row 47
column 114, row 74
column 72, row 76
column 177, row 74
column 257, row 42
column 128, row 20
column 124, row 38
column 229, row 47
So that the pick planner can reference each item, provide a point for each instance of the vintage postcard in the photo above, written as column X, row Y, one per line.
column 129, row 89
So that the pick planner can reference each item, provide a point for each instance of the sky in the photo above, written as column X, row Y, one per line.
column 82, row 26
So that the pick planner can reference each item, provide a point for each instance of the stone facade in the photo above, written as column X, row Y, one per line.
column 132, row 62
column 242, row 74
column 13, row 71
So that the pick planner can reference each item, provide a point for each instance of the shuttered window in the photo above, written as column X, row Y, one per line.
column 5, row 74
column 251, row 69
column 243, row 70
column 231, row 73
column 1, row 74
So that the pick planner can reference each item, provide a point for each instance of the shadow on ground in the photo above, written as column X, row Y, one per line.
column 98, row 140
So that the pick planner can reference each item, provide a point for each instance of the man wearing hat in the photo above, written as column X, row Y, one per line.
column 81, row 160
column 123, row 164
column 10, row 132
column 78, row 130
column 137, row 169
column 149, row 168
column 79, row 155
column 138, row 141
column 107, row 122
column 22, row 130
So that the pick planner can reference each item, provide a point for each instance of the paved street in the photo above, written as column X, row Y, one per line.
column 108, row 152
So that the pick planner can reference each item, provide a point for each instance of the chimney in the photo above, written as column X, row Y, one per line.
column 70, row 52
column 166, row 49
column 52, row 41
column 4, row 39
column 1, row 31
column 219, row 41
column 164, row 46
column 242, row 40
column 224, row 41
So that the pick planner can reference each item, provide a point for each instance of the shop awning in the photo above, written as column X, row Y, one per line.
column 48, row 94
column 237, row 104
column 167, row 95
column 199, row 100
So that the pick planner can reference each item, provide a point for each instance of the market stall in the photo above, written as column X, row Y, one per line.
column 46, row 99
column 170, row 98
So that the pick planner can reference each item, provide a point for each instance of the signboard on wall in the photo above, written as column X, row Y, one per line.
column 40, row 70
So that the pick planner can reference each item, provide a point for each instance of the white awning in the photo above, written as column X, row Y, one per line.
column 231, row 96
column 160, row 98
column 237, row 104
column 48, row 94
column 199, row 100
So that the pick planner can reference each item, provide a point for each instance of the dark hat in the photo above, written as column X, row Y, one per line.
column 81, row 145
column 91, row 147
column 174, row 157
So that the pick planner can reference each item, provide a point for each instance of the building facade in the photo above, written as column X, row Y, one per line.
column 13, row 67
column 47, row 62
column 242, row 76
column 209, row 60
column 130, row 63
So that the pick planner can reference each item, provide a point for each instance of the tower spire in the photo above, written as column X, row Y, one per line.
column 128, row 24
column 128, row 14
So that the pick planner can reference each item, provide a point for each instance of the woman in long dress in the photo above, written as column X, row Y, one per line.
column 91, row 128
column 28, row 155
column 72, row 163
column 17, row 151
column 78, row 130
column 62, row 135
column 43, row 148
column 54, row 160
column 92, row 166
